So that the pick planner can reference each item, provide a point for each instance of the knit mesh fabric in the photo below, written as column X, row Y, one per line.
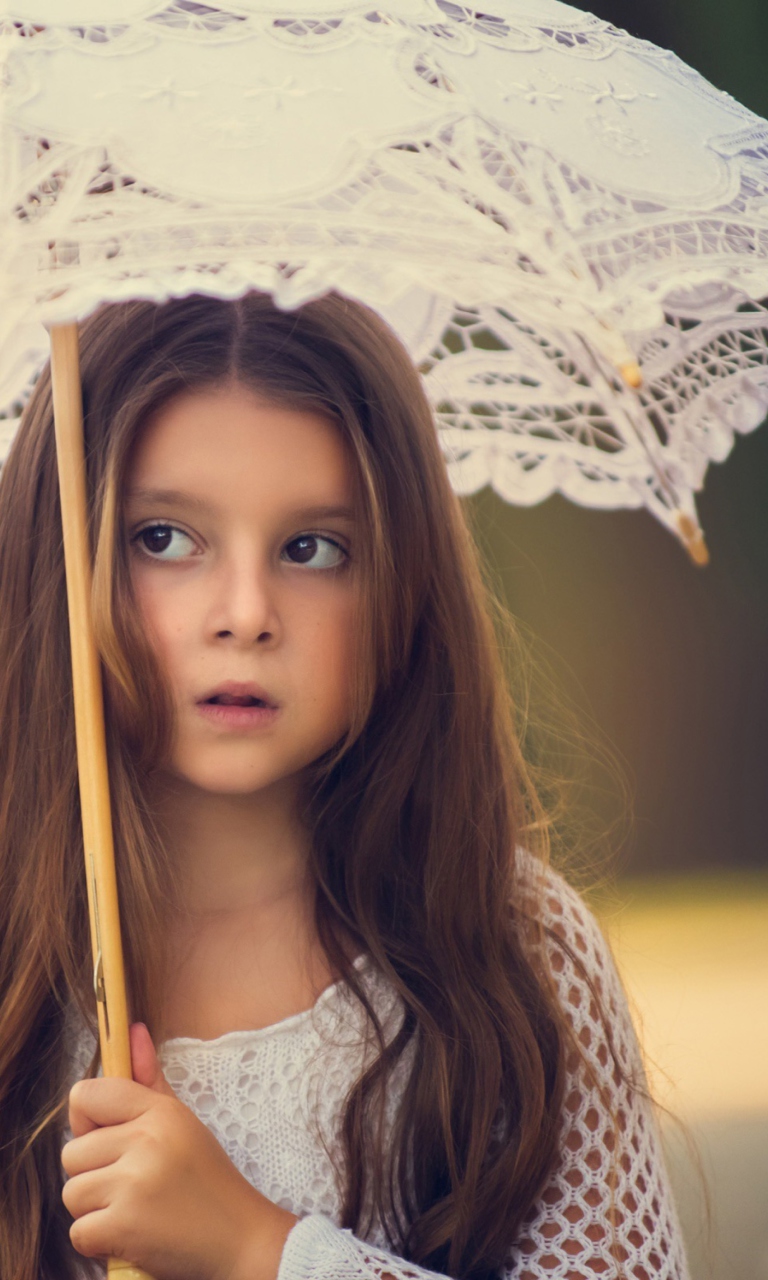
column 274, row 1098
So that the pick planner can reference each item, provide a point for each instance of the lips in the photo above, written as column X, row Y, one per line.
column 236, row 694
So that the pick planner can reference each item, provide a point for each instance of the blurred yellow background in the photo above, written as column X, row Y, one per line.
column 693, row 954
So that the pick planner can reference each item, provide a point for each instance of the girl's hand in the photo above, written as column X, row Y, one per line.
column 148, row 1183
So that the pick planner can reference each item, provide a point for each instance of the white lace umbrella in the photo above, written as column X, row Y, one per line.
column 567, row 226
column 535, row 200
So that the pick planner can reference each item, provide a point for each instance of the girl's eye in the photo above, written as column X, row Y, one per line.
column 317, row 552
column 163, row 542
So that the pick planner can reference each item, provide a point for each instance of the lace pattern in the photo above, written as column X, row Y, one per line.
column 532, row 198
column 274, row 1100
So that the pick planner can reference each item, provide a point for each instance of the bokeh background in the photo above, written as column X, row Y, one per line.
column 667, row 663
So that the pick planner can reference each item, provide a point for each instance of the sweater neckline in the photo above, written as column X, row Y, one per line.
column 250, row 1034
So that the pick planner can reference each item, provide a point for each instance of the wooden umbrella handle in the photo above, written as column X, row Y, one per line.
column 108, row 971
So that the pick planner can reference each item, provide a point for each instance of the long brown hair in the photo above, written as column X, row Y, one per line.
column 415, row 818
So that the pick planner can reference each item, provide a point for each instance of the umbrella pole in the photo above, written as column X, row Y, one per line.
column 108, row 971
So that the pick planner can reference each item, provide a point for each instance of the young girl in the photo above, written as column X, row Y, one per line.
column 374, row 1036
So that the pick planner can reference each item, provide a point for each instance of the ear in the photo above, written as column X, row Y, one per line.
column 144, row 1064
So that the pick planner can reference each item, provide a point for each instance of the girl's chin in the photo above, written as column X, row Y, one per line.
column 214, row 784
column 230, row 777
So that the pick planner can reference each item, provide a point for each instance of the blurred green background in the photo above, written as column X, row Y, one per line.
column 667, row 664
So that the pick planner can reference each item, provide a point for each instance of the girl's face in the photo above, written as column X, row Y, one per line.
column 241, row 523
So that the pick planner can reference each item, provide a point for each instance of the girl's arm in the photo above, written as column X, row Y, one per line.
column 608, row 1209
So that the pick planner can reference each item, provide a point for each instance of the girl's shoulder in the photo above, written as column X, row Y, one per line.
column 548, row 899
column 579, row 959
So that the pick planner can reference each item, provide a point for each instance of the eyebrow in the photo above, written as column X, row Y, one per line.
column 178, row 498
column 166, row 498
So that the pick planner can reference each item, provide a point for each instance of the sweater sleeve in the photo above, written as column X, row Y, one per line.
column 607, row 1209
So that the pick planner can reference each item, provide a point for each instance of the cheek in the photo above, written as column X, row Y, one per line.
column 331, row 653
column 160, row 619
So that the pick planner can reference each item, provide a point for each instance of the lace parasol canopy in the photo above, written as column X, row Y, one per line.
column 567, row 226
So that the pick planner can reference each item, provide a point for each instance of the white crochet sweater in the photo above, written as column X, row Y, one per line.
column 274, row 1100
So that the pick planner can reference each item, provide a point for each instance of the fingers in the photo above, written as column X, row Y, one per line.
column 101, row 1101
column 93, row 1235
column 144, row 1063
column 93, row 1150
column 87, row 1193
column 99, row 1200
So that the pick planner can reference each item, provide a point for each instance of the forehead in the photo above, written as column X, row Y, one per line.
column 231, row 445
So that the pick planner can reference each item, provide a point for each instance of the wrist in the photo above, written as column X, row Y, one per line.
column 262, row 1248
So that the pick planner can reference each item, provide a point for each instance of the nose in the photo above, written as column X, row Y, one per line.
column 244, row 606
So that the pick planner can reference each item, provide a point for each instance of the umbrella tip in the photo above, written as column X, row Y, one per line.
column 692, row 538
column 631, row 374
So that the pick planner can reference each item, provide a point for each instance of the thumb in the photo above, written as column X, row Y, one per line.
column 144, row 1064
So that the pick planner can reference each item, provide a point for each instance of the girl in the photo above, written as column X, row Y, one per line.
column 390, row 1041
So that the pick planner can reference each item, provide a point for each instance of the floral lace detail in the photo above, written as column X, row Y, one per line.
column 274, row 1099
column 575, row 32
column 532, row 198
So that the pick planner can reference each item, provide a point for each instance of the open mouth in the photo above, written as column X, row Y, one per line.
column 235, row 700
column 238, row 702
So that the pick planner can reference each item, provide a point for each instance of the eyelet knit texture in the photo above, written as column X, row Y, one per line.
column 274, row 1098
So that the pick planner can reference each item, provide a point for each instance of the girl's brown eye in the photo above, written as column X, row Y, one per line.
column 314, row 551
column 163, row 541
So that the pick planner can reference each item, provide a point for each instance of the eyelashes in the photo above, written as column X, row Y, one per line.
column 167, row 543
